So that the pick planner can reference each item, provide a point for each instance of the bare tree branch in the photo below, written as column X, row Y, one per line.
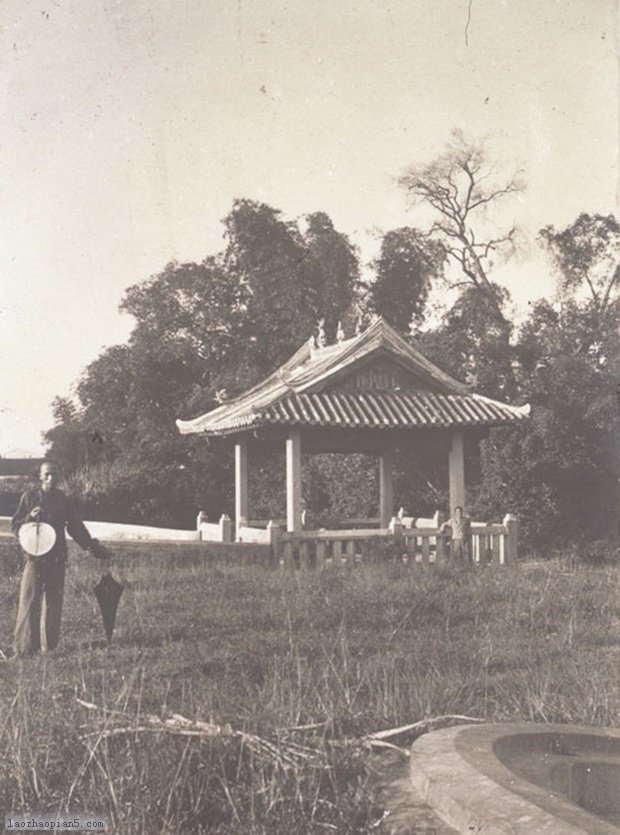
column 455, row 185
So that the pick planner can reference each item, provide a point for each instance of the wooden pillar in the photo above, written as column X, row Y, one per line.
column 293, row 481
column 386, row 488
column 457, row 470
column 241, row 482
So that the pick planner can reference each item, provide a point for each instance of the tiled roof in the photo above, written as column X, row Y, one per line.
column 376, row 410
column 379, row 409
column 296, row 394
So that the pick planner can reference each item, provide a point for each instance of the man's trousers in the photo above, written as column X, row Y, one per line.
column 459, row 550
column 40, row 599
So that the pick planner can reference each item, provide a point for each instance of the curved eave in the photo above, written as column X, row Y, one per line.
column 202, row 426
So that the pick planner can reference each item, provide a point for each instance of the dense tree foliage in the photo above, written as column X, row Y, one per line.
column 333, row 270
column 404, row 272
column 587, row 257
column 562, row 469
column 472, row 346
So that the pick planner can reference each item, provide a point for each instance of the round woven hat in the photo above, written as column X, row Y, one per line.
column 37, row 538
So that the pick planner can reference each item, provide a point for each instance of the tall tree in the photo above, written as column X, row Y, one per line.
column 332, row 272
column 404, row 270
column 586, row 256
column 265, row 258
column 460, row 186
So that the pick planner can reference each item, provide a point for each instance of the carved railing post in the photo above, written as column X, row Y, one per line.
column 396, row 531
column 201, row 519
column 275, row 535
column 226, row 528
column 512, row 532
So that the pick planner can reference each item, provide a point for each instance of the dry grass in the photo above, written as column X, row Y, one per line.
column 295, row 670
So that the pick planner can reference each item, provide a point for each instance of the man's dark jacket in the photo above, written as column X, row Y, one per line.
column 59, row 512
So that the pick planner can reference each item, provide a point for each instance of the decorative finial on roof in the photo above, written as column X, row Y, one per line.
column 359, row 319
column 340, row 333
column 321, row 341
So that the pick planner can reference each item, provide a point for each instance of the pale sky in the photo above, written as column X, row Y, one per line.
column 129, row 127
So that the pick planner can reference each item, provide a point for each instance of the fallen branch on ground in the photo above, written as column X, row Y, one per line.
column 379, row 743
column 283, row 751
column 423, row 723
column 115, row 723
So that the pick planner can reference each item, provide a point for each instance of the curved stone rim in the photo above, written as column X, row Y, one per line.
column 457, row 772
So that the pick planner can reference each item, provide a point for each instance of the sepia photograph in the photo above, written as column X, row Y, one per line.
column 310, row 417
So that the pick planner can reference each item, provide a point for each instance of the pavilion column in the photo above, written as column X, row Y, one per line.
column 457, row 470
column 293, row 481
column 241, row 481
column 386, row 488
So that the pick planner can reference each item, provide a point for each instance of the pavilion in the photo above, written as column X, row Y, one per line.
column 371, row 393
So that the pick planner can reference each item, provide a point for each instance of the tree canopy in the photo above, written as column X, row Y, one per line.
column 586, row 257
column 405, row 269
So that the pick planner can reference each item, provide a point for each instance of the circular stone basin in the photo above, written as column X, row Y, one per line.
column 521, row 778
column 580, row 767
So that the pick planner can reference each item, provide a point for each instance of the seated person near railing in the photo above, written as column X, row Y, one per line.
column 460, row 534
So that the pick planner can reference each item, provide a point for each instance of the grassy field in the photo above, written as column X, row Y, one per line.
column 288, row 673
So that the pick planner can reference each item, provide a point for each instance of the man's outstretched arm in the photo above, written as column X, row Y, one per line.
column 78, row 531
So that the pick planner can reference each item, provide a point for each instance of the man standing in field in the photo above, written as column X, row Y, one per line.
column 43, row 579
column 460, row 526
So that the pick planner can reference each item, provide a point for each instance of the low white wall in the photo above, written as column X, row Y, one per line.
column 114, row 530
column 259, row 536
column 211, row 532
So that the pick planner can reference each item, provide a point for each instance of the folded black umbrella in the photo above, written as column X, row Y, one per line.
column 108, row 592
